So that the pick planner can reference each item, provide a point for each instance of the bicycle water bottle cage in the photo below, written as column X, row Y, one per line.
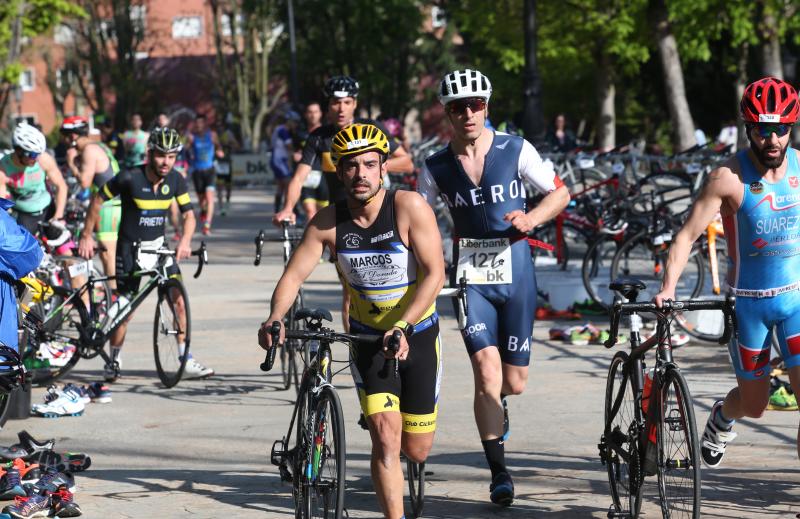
column 315, row 314
column 628, row 287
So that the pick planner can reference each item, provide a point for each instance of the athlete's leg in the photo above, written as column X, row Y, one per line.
column 789, row 342
column 514, row 379
column 420, row 376
column 180, row 310
column 209, row 195
column 387, row 474
column 417, row 446
column 108, row 259
column 488, row 374
column 310, row 207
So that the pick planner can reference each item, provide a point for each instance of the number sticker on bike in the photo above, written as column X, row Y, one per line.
column 485, row 262
column 79, row 269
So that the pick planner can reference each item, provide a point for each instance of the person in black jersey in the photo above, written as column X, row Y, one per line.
column 342, row 93
column 146, row 193
column 389, row 250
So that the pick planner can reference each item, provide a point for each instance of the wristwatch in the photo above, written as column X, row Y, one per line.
column 406, row 328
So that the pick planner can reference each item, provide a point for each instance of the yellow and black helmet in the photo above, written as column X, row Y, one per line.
column 165, row 140
column 357, row 139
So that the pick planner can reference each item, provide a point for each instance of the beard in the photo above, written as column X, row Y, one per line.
column 366, row 196
column 764, row 159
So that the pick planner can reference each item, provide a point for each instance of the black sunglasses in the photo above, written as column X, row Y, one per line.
column 765, row 130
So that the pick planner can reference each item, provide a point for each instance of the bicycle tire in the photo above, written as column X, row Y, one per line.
column 68, row 325
column 596, row 269
column 324, row 499
column 625, row 477
column 5, row 401
column 636, row 258
column 170, row 361
column 416, row 486
column 684, row 459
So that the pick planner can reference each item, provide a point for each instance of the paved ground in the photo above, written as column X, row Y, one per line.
column 201, row 449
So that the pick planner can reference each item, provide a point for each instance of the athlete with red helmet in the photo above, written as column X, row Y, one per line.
column 757, row 191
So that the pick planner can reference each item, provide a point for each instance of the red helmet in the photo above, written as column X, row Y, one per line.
column 770, row 100
column 75, row 124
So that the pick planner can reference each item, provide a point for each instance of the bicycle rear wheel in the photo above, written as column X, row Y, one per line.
column 323, row 482
column 596, row 269
column 620, row 439
column 679, row 461
column 416, row 486
column 168, row 327
column 52, row 358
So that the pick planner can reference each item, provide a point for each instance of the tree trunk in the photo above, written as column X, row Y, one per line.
column 533, row 115
column 771, row 48
column 606, row 92
column 14, row 51
column 679, row 113
column 740, row 85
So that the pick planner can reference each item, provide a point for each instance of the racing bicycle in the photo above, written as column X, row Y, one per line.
column 86, row 330
column 649, row 425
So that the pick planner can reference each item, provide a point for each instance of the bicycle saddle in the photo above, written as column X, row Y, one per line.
column 628, row 287
column 317, row 314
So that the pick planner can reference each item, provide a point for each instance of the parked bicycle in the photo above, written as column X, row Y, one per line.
column 649, row 425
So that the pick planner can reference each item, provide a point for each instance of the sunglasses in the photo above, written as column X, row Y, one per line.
column 27, row 154
column 765, row 130
column 476, row 104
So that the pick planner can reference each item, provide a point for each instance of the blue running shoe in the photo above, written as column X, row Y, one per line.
column 99, row 393
column 37, row 505
column 11, row 485
column 502, row 489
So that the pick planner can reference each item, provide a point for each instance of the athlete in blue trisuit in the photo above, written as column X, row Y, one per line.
column 480, row 176
column 757, row 192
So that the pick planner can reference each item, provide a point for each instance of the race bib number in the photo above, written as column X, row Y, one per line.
column 485, row 262
column 313, row 180
column 145, row 259
column 79, row 269
column 585, row 163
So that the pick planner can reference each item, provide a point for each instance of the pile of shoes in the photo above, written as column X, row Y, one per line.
column 71, row 400
column 39, row 480
column 781, row 396
column 581, row 335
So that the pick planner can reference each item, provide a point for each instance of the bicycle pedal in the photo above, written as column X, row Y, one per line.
column 286, row 474
column 613, row 513
column 278, row 453
column 602, row 448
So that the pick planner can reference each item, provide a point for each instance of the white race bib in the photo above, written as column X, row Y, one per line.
column 79, row 269
column 313, row 179
column 147, row 261
column 485, row 262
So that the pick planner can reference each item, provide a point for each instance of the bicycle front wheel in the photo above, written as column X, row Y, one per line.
column 416, row 486
column 323, row 481
column 679, row 449
column 171, row 332
column 620, row 439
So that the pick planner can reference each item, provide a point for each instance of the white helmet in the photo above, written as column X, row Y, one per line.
column 461, row 84
column 28, row 138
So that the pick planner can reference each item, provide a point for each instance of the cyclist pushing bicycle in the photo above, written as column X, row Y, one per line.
column 758, row 194
column 146, row 193
column 387, row 249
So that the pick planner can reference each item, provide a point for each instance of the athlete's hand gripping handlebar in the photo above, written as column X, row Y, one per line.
column 275, row 333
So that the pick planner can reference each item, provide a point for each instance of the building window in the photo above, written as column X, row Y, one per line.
column 187, row 27
column 438, row 17
column 225, row 24
column 139, row 16
column 27, row 80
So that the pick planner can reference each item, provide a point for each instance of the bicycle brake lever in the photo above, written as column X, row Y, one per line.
column 614, row 332
column 269, row 360
column 259, row 247
column 394, row 346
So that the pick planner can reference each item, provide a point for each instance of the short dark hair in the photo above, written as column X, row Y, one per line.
column 200, row 116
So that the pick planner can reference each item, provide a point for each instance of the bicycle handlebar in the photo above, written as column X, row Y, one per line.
column 323, row 335
column 727, row 307
column 201, row 253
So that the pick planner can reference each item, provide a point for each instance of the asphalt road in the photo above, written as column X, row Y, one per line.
column 201, row 449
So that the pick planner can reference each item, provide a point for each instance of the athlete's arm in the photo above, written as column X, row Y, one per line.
column 295, row 187
column 217, row 146
column 425, row 242
column 720, row 184
column 86, row 245
column 400, row 161
column 184, row 248
column 302, row 263
column 55, row 177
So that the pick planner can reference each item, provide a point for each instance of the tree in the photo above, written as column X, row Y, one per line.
column 243, row 61
column 533, row 118
column 680, row 115
column 21, row 19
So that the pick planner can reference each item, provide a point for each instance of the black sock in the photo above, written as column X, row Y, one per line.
column 502, row 396
column 495, row 451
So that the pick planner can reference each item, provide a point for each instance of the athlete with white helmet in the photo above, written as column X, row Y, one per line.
column 480, row 177
column 24, row 175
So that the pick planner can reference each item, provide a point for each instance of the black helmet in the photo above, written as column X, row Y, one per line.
column 165, row 140
column 341, row 86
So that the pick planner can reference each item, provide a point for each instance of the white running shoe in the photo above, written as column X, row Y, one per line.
column 194, row 369
column 59, row 403
column 714, row 440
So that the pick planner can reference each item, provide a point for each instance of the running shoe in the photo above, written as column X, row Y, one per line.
column 714, row 440
column 59, row 403
column 11, row 484
column 78, row 391
column 206, row 228
column 506, row 424
column 98, row 393
column 501, row 491
column 51, row 481
column 25, row 507
column 27, row 471
column 63, row 504
column 194, row 369
column 27, row 447
column 580, row 337
column 782, row 400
